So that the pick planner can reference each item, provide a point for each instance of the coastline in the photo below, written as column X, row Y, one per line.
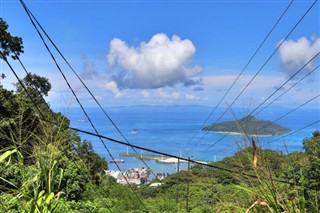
column 159, row 159
column 238, row 133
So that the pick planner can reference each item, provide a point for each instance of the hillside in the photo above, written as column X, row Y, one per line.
column 248, row 125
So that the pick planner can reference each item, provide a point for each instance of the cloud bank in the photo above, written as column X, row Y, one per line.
column 295, row 54
column 157, row 63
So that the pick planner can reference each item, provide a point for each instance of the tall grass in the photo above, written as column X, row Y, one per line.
column 39, row 183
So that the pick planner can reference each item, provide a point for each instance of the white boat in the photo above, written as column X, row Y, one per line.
column 117, row 161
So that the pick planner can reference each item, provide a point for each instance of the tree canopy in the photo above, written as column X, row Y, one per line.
column 10, row 46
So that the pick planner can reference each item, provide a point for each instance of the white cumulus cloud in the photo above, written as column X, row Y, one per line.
column 113, row 87
column 294, row 54
column 157, row 63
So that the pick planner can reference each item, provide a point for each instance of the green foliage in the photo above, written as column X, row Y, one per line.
column 36, row 86
column 10, row 46
column 312, row 172
column 160, row 204
column 94, row 163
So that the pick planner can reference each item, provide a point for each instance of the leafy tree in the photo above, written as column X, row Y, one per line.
column 95, row 164
column 312, row 149
column 11, row 46
column 36, row 85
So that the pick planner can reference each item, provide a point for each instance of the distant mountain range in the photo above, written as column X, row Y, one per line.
column 248, row 125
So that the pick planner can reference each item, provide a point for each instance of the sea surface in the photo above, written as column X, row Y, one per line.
column 176, row 130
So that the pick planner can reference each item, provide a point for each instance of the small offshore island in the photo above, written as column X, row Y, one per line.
column 248, row 125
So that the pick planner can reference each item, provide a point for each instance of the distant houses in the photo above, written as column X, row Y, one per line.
column 135, row 176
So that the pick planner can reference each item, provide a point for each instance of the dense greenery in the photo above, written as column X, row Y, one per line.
column 248, row 125
column 45, row 167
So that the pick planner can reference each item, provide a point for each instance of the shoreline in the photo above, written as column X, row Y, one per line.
column 238, row 133
column 159, row 159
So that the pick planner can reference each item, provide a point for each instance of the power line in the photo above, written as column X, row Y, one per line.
column 153, row 151
column 82, row 82
column 305, row 103
column 286, row 114
column 296, row 73
column 256, row 74
column 245, row 67
column 264, row 64
column 78, row 101
column 22, row 85
column 287, row 90
column 264, row 100
column 30, row 97
column 298, row 130
column 165, row 154
column 28, row 73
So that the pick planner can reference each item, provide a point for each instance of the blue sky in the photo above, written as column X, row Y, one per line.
column 169, row 52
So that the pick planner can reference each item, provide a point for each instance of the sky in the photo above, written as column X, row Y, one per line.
column 170, row 52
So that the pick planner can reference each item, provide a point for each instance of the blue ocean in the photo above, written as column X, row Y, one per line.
column 176, row 130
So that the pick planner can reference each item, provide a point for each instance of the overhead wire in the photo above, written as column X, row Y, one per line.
column 47, row 105
column 244, row 68
column 268, row 59
column 81, row 106
column 155, row 151
column 140, row 147
column 167, row 154
column 143, row 148
column 85, row 86
column 30, row 97
column 297, row 72
column 282, row 116
column 287, row 90
column 298, row 130
column 128, row 144
column 256, row 74
column 284, row 83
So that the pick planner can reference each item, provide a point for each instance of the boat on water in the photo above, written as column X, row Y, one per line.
column 117, row 161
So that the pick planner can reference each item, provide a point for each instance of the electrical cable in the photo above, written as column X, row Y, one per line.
column 28, row 73
column 157, row 152
column 228, row 133
column 287, row 90
column 265, row 100
column 305, row 103
column 28, row 94
column 298, row 130
column 286, row 114
column 81, row 106
column 278, row 47
column 86, row 87
column 245, row 67
column 247, row 85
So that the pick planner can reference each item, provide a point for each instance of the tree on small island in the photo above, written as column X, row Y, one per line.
column 248, row 125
